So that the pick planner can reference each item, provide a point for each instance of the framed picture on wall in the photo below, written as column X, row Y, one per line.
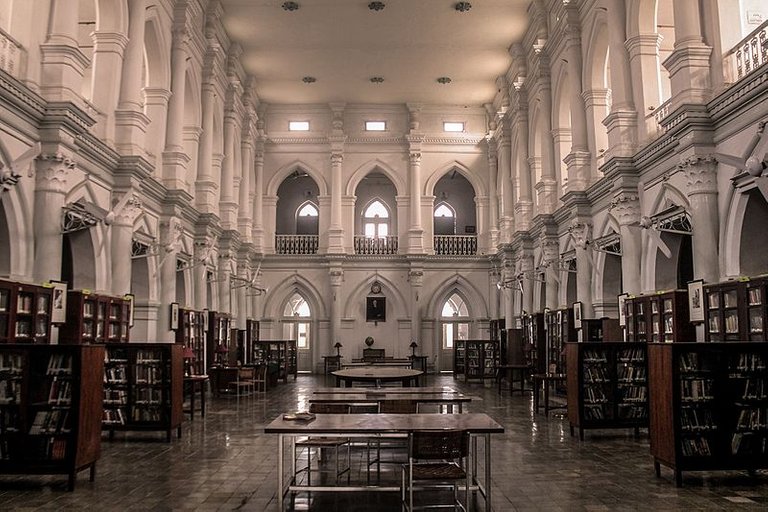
column 696, row 300
column 375, row 309
column 59, row 308
column 622, row 311
column 577, row 311
column 174, row 316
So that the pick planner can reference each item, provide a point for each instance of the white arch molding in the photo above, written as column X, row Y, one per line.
column 371, row 166
column 283, row 172
column 477, row 183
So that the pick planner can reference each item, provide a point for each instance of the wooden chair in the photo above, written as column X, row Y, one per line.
column 436, row 459
column 392, row 441
column 260, row 380
column 325, row 442
column 245, row 383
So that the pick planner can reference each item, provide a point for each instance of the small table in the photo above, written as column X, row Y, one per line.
column 545, row 380
column 193, row 383
column 331, row 363
column 222, row 377
column 521, row 369
column 377, row 375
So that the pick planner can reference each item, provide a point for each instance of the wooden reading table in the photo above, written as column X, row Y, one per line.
column 377, row 375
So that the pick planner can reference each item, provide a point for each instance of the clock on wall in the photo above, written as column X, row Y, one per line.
column 376, row 287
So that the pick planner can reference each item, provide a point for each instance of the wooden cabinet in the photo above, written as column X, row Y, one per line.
column 725, row 311
column 475, row 359
column 709, row 406
column 757, row 309
column 559, row 331
column 93, row 318
column 50, row 409
column 279, row 355
column 219, row 340
column 600, row 329
column 143, row 387
column 25, row 313
column 191, row 334
column 607, row 385
column 535, row 342
column 250, row 337
column 662, row 316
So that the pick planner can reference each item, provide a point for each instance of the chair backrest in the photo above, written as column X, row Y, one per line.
column 371, row 354
column 261, row 373
column 398, row 406
column 329, row 408
column 246, row 373
column 439, row 444
column 363, row 408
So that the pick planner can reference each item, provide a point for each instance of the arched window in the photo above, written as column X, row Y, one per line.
column 455, row 320
column 445, row 219
column 307, row 216
column 376, row 220
column 296, row 315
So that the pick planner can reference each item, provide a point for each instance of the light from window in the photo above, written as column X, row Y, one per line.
column 375, row 126
column 453, row 127
column 376, row 209
column 298, row 126
column 302, row 338
column 443, row 211
column 370, row 229
column 447, row 336
column 308, row 210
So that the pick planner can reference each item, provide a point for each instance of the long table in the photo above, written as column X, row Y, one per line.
column 373, row 397
column 479, row 425
column 356, row 390
column 377, row 375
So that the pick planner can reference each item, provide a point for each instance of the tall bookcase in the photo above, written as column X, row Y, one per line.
column 709, row 406
column 736, row 310
column 600, row 329
column 191, row 334
column 250, row 337
column 281, row 354
column 559, row 330
column 662, row 316
column 219, row 333
column 475, row 359
column 143, row 387
column 25, row 313
column 535, row 342
column 497, row 332
column 93, row 318
column 50, row 409
column 607, row 385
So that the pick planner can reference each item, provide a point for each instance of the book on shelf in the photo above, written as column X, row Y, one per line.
column 24, row 304
column 750, row 362
column 10, row 363
column 148, row 374
column 753, row 418
column 696, row 447
column 754, row 389
column 755, row 297
column 60, row 392
column 113, row 417
column 729, row 299
column 59, row 364
column 632, row 393
column 696, row 390
column 749, row 443
column 10, row 391
column 55, row 421
column 696, row 420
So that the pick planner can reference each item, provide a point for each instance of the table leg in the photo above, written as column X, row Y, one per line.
column 280, row 447
column 192, row 399
column 488, row 472
column 202, row 399
column 546, row 398
column 474, row 459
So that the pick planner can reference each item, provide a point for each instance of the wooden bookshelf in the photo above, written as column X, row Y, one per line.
column 559, row 331
column 600, row 329
column 250, row 337
column 535, row 342
column 191, row 333
column 736, row 310
column 50, row 409
column 607, row 385
column 219, row 334
column 94, row 318
column 475, row 359
column 25, row 313
column 143, row 385
column 659, row 317
column 757, row 309
column 279, row 354
column 708, row 406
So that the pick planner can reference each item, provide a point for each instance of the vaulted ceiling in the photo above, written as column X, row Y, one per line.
column 342, row 44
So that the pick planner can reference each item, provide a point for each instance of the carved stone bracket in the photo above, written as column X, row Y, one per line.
column 625, row 206
column 701, row 175
column 580, row 231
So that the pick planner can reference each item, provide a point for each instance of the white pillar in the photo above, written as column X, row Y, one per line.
column 336, row 230
column 227, row 205
column 170, row 232
column 493, row 198
column 581, row 232
column 688, row 64
column 626, row 208
column 550, row 250
column 122, row 242
column 245, row 212
column 224, row 277
column 416, row 232
column 63, row 63
column 336, row 274
column 205, row 185
column 174, row 157
column 416, row 278
column 507, row 227
column 106, row 70
column 701, row 175
column 50, row 193
column 578, row 161
column 258, row 196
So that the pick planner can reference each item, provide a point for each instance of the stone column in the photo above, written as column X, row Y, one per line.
column 581, row 232
column 507, row 228
column 550, row 250
column 131, row 123
column 526, row 268
column 224, row 277
column 508, row 297
column 50, row 194
column 241, row 309
column 175, row 158
column 524, row 206
column 701, row 174
column 336, row 274
column 596, row 102
column 63, row 63
column 156, row 107
column 336, row 231
column 546, row 189
column 244, row 221
column 122, row 242
column 227, row 204
column 688, row 65
column 493, row 198
column 643, row 52
column 171, row 232
column 578, row 161
column 626, row 208
column 416, row 278
column 203, row 249
column 258, row 196
column 106, row 69
column 416, row 232
column 205, row 185
column 622, row 120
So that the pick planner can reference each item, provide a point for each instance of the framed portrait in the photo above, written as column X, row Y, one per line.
column 696, row 300
column 174, row 316
column 59, row 303
column 577, row 311
column 622, row 309
column 131, row 306
column 375, row 309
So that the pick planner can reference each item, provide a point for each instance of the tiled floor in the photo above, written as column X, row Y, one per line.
column 226, row 462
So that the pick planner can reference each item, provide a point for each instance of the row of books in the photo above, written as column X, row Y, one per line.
column 755, row 296
column 60, row 392
column 696, row 420
column 115, row 396
column 633, row 393
column 752, row 418
column 10, row 363
column 149, row 396
column 10, row 391
column 149, row 374
column 696, row 447
column 595, row 374
column 47, row 448
column 59, row 364
column 115, row 375
column 595, row 356
column 55, row 421
column 755, row 322
column 690, row 362
column 749, row 443
column 750, row 362
column 594, row 412
column 754, row 389
column 594, row 395
column 148, row 356
column 731, row 323
column 696, row 390
column 113, row 417
column 635, row 355
column 632, row 373
column 9, row 420
column 632, row 412
column 147, row 414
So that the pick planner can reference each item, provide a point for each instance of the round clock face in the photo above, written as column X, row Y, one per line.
column 375, row 288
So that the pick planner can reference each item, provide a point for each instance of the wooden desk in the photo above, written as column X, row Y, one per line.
column 545, row 380
column 452, row 399
column 374, row 425
column 386, row 363
column 331, row 363
column 221, row 378
column 193, row 383
column 510, row 369
column 419, row 390
column 377, row 375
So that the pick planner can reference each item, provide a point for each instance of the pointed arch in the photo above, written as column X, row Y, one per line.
column 594, row 76
column 395, row 298
column 376, row 165
column 19, row 222
column 481, row 190
column 476, row 300
column 283, row 172
column 276, row 298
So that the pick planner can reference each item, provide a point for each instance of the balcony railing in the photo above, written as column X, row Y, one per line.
column 653, row 120
column 296, row 244
column 456, row 245
column 382, row 245
column 11, row 54
column 748, row 55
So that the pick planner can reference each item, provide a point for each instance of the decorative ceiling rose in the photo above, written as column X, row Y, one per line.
column 290, row 6
column 463, row 6
column 376, row 6
column 309, row 79
column 377, row 79
column 444, row 80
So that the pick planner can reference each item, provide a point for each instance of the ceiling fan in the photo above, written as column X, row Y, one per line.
column 645, row 222
column 10, row 176
column 754, row 160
